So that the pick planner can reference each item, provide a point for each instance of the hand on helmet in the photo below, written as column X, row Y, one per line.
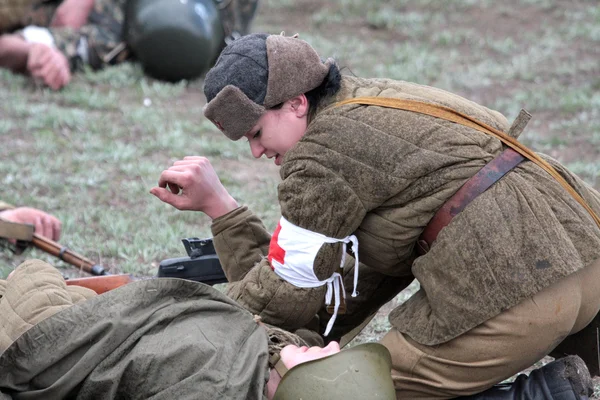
column 292, row 355
column 193, row 184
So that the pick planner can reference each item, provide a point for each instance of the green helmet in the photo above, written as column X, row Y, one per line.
column 174, row 39
column 361, row 372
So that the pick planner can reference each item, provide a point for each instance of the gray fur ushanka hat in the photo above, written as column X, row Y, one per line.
column 257, row 72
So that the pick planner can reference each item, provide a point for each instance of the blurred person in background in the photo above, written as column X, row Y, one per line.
column 173, row 40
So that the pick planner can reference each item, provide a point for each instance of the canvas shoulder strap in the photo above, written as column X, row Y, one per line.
column 452, row 115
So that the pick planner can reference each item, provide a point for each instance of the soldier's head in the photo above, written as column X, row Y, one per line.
column 266, row 88
column 174, row 40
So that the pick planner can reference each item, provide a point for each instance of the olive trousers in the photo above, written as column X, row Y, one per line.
column 499, row 348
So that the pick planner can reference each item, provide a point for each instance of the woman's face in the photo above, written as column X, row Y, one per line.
column 279, row 130
column 293, row 355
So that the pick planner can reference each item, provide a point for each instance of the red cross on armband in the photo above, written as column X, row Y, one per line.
column 276, row 252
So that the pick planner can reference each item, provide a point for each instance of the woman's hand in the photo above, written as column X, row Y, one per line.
column 45, row 224
column 48, row 65
column 193, row 184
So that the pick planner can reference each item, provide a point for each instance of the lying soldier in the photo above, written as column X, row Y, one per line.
column 165, row 339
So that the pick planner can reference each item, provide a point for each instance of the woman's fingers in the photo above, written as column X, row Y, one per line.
column 171, row 177
column 193, row 184
column 166, row 196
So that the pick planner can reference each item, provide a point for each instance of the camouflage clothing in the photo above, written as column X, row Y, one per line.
column 38, row 12
column 102, row 36
column 100, row 41
column 14, row 13
column 93, row 43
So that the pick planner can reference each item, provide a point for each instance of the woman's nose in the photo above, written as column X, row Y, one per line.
column 256, row 149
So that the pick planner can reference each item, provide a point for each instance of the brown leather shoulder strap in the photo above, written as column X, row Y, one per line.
column 477, row 184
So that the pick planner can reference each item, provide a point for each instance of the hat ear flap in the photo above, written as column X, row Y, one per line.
column 233, row 112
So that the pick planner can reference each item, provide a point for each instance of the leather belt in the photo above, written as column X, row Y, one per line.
column 477, row 184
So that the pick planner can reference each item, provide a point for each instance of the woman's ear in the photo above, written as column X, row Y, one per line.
column 299, row 105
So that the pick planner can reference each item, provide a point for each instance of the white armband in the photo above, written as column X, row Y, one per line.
column 292, row 254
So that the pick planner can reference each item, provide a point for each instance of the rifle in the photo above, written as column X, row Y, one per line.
column 101, row 284
column 24, row 235
column 201, row 265
column 68, row 256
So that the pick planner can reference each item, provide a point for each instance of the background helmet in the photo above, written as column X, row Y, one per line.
column 174, row 39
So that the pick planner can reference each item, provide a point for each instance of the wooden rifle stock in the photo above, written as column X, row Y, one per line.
column 101, row 284
column 68, row 256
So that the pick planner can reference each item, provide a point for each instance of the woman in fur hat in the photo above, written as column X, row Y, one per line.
column 417, row 183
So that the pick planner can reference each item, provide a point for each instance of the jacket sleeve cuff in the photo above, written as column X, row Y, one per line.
column 241, row 241
column 222, row 223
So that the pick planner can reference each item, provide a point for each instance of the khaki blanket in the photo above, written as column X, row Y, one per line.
column 157, row 338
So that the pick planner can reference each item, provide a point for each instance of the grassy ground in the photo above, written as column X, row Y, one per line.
column 90, row 153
